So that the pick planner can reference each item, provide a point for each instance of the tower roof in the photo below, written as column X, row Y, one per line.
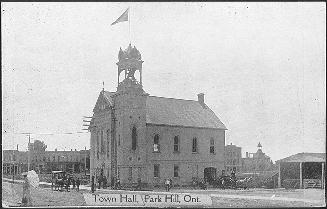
column 259, row 145
column 129, row 53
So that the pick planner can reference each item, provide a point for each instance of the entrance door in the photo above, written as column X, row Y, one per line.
column 210, row 174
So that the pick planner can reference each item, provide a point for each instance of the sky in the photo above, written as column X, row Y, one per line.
column 261, row 66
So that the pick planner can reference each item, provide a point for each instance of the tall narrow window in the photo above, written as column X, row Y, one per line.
column 156, row 147
column 134, row 138
column 176, row 144
column 119, row 140
column 98, row 141
column 102, row 141
column 156, row 171
column 194, row 145
column 212, row 146
column 176, row 171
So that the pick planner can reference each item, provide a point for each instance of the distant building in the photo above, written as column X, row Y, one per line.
column 135, row 136
column 256, row 162
column 43, row 161
column 14, row 161
column 233, row 158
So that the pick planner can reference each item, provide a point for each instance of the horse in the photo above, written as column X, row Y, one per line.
column 59, row 183
column 243, row 183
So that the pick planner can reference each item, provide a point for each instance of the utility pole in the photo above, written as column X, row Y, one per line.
column 29, row 153
column 13, row 167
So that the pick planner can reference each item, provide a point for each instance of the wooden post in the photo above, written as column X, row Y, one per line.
column 279, row 176
column 322, row 176
column 301, row 181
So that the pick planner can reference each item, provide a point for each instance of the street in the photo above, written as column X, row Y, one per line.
column 44, row 196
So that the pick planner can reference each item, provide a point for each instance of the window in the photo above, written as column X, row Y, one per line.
column 156, row 147
column 176, row 170
column 176, row 144
column 98, row 141
column 134, row 138
column 212, row 146
column 194, row 145
column 119, row 140
column 102, row 141
column 156, row 170
column 130, row 173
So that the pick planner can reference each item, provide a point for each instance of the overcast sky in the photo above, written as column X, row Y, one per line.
column 262, row 67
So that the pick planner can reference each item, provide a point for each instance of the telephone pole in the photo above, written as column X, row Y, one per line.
column 29, row 153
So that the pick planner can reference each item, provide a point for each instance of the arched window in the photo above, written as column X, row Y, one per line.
column 176, row 144
column 134, row 138
column 212, row 146
column 156, row 147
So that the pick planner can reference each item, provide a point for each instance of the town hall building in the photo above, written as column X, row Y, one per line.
column 136, row 136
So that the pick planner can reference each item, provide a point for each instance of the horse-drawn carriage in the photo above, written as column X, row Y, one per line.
column 230, row 182
column 58, row 180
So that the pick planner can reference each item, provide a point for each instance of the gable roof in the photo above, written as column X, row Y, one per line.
column 305, row 157
column 179, row 112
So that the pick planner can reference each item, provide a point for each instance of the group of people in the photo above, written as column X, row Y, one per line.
column 168, row 184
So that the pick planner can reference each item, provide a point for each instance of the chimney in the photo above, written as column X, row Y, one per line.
column 201, row 99
column 56, row 149
column 71, row 149
column 17, row 147
column 247, row 154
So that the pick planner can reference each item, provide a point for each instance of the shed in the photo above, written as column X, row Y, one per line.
column 302, row 170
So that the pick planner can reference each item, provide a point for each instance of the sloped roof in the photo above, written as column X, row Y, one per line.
column 305, row 157
column 179, row 112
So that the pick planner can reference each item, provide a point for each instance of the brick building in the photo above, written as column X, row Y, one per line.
column 138, row 136
column 43, row 161
column 233, row 158
column 257, row 162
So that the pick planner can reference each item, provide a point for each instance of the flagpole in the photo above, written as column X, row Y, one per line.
column 129, row 23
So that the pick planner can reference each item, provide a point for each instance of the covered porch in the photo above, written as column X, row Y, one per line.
column 302, row 171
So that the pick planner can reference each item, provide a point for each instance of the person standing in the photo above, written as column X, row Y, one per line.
column 77, row 184
column 67, row 184
column 73, row 182
column 167, row 185
column 139, row 184
column 92, row 184
column 118, row 184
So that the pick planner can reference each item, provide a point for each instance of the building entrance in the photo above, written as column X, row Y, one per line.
column 210, row 174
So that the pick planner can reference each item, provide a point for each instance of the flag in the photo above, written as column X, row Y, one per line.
column 122, row 18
